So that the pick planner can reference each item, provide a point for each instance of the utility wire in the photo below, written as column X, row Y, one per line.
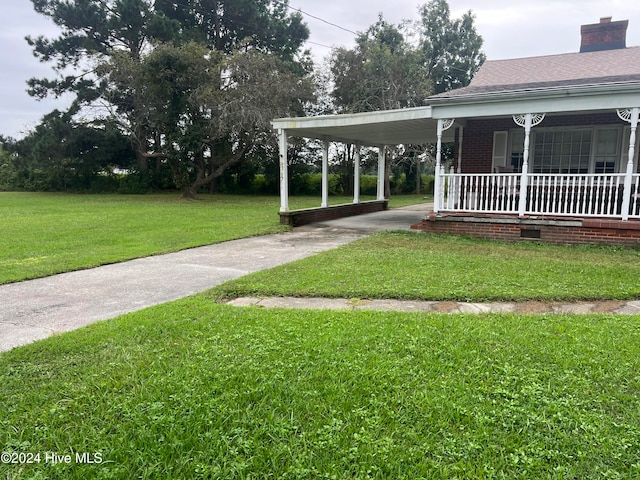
column 317, row 18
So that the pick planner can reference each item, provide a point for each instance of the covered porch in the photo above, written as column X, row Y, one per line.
column 497, row 195
column 580, row 177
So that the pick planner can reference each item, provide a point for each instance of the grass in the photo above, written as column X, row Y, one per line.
column 44, row 234
column 406, row 265
column 194, row 389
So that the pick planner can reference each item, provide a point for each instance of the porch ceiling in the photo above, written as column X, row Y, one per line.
column 389, row 127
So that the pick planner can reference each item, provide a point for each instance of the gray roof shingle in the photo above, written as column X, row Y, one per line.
column 552, row 71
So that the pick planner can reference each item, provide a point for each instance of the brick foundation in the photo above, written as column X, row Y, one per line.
column 296, row 218
column 547, row 230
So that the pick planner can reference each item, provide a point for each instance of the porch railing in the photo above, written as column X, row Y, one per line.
column 584, row 195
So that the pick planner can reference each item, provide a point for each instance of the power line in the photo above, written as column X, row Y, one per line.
column 319, row 44
column 318, row 18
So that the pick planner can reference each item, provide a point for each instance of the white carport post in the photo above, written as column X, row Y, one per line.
column 356, row 174
column 381, row 169
column 284, row 172
column 632, row 116
column 325, row 174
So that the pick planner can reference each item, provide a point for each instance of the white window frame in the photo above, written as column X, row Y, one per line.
column 622, row 148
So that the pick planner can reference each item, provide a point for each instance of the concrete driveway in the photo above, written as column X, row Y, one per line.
column 36, row 309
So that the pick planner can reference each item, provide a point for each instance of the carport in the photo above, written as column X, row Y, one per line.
column 370, row 129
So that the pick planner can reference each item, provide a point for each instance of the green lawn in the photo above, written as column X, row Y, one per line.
column 407, row 265
column 194, row 389
column 44, row 234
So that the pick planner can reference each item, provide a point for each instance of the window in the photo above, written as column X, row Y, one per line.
column 517, row 150
column 606, row 153
column 562, row 151
column 567, row 151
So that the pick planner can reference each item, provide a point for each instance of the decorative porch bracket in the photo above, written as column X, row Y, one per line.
column 527, row 121
column 629, row 115
column 438, row 187
column 284, row 172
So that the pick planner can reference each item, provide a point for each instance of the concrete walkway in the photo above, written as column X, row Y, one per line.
column 36, row 309
column 612, row 307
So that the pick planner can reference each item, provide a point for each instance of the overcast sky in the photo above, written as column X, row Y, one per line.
column 517, row 28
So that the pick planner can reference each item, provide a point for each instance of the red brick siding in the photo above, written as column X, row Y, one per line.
column 591, row 232
column 477, row 147
column 296, row 218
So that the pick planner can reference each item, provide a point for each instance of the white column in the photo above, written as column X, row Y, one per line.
column 438, row 178
column 325, row 174
column 524, row 175
column 460, row 138
column 438, row 187
column 632, row 117
column 527, row 121
column 381, row 166
column 284, row 172
column 356, row 174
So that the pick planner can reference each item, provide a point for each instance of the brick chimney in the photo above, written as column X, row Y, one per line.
column 606, row 35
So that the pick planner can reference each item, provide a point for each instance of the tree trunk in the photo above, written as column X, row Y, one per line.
column 189, row 194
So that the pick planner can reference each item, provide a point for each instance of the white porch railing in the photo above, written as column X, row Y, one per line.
column 582, row 195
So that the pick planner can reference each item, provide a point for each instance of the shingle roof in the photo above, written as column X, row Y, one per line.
column 551, row 71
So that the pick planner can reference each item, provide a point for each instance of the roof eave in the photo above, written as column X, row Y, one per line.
column 550, row 100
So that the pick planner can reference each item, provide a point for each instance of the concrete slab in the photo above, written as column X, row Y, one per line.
column 395, row 219
column 448, row 307
column 36, row 309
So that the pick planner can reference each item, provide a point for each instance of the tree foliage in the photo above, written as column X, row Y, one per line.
column 450, row 49
column 382, row 72
column 385, row 70
column 192, row 85
column 188, row 81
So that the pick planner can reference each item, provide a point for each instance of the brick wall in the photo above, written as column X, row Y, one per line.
column 604, row 232
column 296, row 218
column 477, row 148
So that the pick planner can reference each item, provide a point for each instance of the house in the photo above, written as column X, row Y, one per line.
column 546, row 147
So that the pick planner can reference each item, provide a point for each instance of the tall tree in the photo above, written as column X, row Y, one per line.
column 382, row 72
column 144, row 61
column 451, row 49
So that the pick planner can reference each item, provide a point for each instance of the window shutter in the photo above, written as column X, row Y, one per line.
column 500, row 143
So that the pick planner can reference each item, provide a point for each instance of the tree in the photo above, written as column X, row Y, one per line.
column 386, row 71
column 382, row 72
column 62, row 155
column 146, row 63
column 451, row 49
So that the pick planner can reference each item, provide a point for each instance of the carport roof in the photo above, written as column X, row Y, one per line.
column 388, row 127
